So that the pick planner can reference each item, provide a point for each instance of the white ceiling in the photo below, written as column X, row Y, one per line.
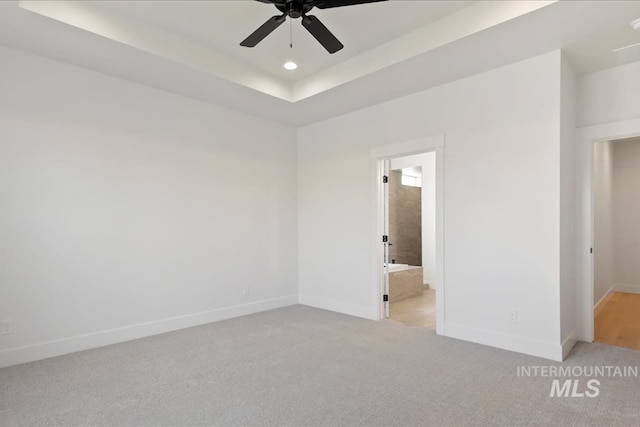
column 391, row 48
column 222, row 25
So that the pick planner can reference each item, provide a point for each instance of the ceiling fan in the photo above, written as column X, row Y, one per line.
column 299, row 9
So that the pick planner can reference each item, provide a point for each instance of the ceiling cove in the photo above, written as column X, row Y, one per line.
column 147, row 26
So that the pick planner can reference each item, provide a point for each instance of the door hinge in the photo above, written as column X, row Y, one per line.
column 385, row 298
column 385, row 238
column 385, row 179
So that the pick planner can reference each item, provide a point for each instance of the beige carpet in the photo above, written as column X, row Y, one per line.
column 301, row 366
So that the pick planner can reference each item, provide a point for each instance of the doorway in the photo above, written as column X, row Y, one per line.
column 586, row 137
column 616, row 242
column 411, row 246
column 410, row 250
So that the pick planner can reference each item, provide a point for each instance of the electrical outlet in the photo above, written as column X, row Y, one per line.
column 513, row 316
column 245, row 290
column 7, row 327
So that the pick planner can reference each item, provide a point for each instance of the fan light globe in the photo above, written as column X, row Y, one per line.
column 290, row 65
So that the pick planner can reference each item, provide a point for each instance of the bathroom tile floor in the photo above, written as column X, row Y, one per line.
column 417, row 311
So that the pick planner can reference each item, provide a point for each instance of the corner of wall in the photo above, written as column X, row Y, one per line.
column 339, row 306
column 568, row 283
column 567, row 345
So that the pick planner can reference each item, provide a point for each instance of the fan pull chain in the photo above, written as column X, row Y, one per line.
column 291, row 33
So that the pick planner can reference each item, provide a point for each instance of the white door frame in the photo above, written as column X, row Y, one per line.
column 586, row 137
column 386, row 167
column 379, row 155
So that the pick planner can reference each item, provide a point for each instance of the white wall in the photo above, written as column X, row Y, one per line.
column 610, row 95
column 429, row 218
column 568, row 289
column 501, row 201
column 427, row 162
column 626, row 213
column 121, row 205
column 603, row 267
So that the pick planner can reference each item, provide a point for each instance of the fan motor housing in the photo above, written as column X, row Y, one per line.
column 298, row 9
column 294, row 8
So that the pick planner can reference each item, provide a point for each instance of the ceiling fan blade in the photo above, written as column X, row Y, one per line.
column 321, row 33
column 276, row 2
column 326, row 4
column 265, row 29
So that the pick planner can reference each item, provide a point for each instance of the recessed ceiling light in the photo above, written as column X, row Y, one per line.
column 290, row 65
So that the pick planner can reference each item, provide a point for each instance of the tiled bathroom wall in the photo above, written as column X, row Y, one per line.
column 405, row 221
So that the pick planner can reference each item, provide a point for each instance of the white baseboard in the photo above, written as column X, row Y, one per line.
column 59, row 347
column 338, row 306
column 611, row 289
column 544, row 349
column 632, row 289
column 568, row 344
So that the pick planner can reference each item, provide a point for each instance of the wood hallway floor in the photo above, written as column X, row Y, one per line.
column 617, row 320
column 418, row 311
